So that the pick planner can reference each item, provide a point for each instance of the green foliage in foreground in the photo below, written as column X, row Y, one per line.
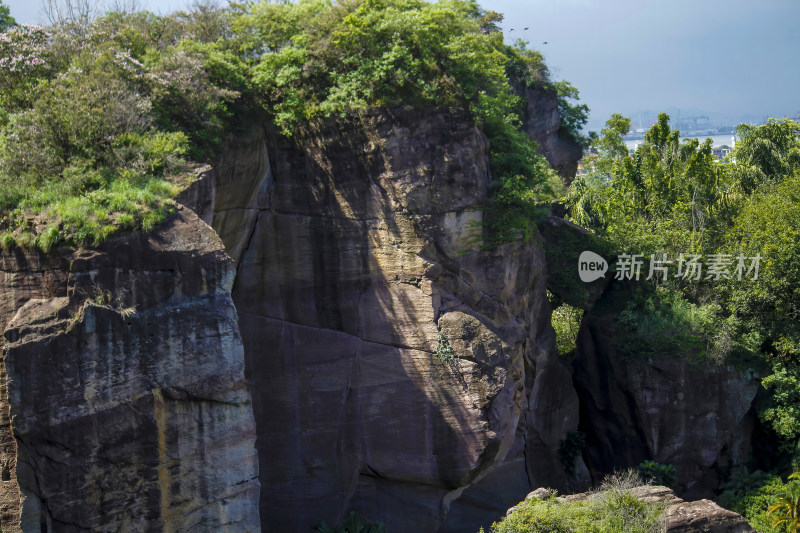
column 613, row 510
column 767, row 502
column 785, row 511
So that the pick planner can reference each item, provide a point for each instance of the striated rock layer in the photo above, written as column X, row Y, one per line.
column 123, row 405
column 354, row 263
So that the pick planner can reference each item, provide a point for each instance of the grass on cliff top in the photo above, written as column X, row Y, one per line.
column 100, row 125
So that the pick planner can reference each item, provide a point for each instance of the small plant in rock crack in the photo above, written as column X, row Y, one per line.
column 443, row 349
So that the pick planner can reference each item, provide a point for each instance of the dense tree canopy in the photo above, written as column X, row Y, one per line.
column 99, row 119
column 671, row 197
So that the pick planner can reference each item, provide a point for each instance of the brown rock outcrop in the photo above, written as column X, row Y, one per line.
column 543, row 124
column 702, row 516
column 349, row 241
column 123, row 405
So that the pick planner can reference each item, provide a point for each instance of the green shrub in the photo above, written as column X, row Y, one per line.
column 663, row 321
column 785, row 510
column 316, row 60
column 613, row 510
column 566, row 321
column 25, row 60
column 48, row 238
column 548, row 516
column 7, row 241
column 94, row 119
column 443, row 349
column 658, row 473
column 740, row 484
column 754, row 504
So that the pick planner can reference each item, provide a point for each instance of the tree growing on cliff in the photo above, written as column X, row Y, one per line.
column 82, row 97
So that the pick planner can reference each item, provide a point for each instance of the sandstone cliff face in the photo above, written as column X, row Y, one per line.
column 123, row 405
column 349, row 246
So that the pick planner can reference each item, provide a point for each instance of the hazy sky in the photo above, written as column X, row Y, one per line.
column 732, row 57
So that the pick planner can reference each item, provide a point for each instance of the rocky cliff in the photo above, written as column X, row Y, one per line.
column 394, row 367
column 543, row 124
column 350, row 244
column 123, row 405
column 669, row 407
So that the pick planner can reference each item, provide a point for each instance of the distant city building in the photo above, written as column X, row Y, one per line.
column 721, row 152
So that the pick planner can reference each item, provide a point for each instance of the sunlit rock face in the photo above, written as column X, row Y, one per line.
column 357, row 266
column 123, row 405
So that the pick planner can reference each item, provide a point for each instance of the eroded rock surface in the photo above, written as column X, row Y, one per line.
column 703, row 516
column 124, row 406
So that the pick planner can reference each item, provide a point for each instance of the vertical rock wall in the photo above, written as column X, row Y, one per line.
column 669, row 407
column 124, row 405
column 543, row 125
